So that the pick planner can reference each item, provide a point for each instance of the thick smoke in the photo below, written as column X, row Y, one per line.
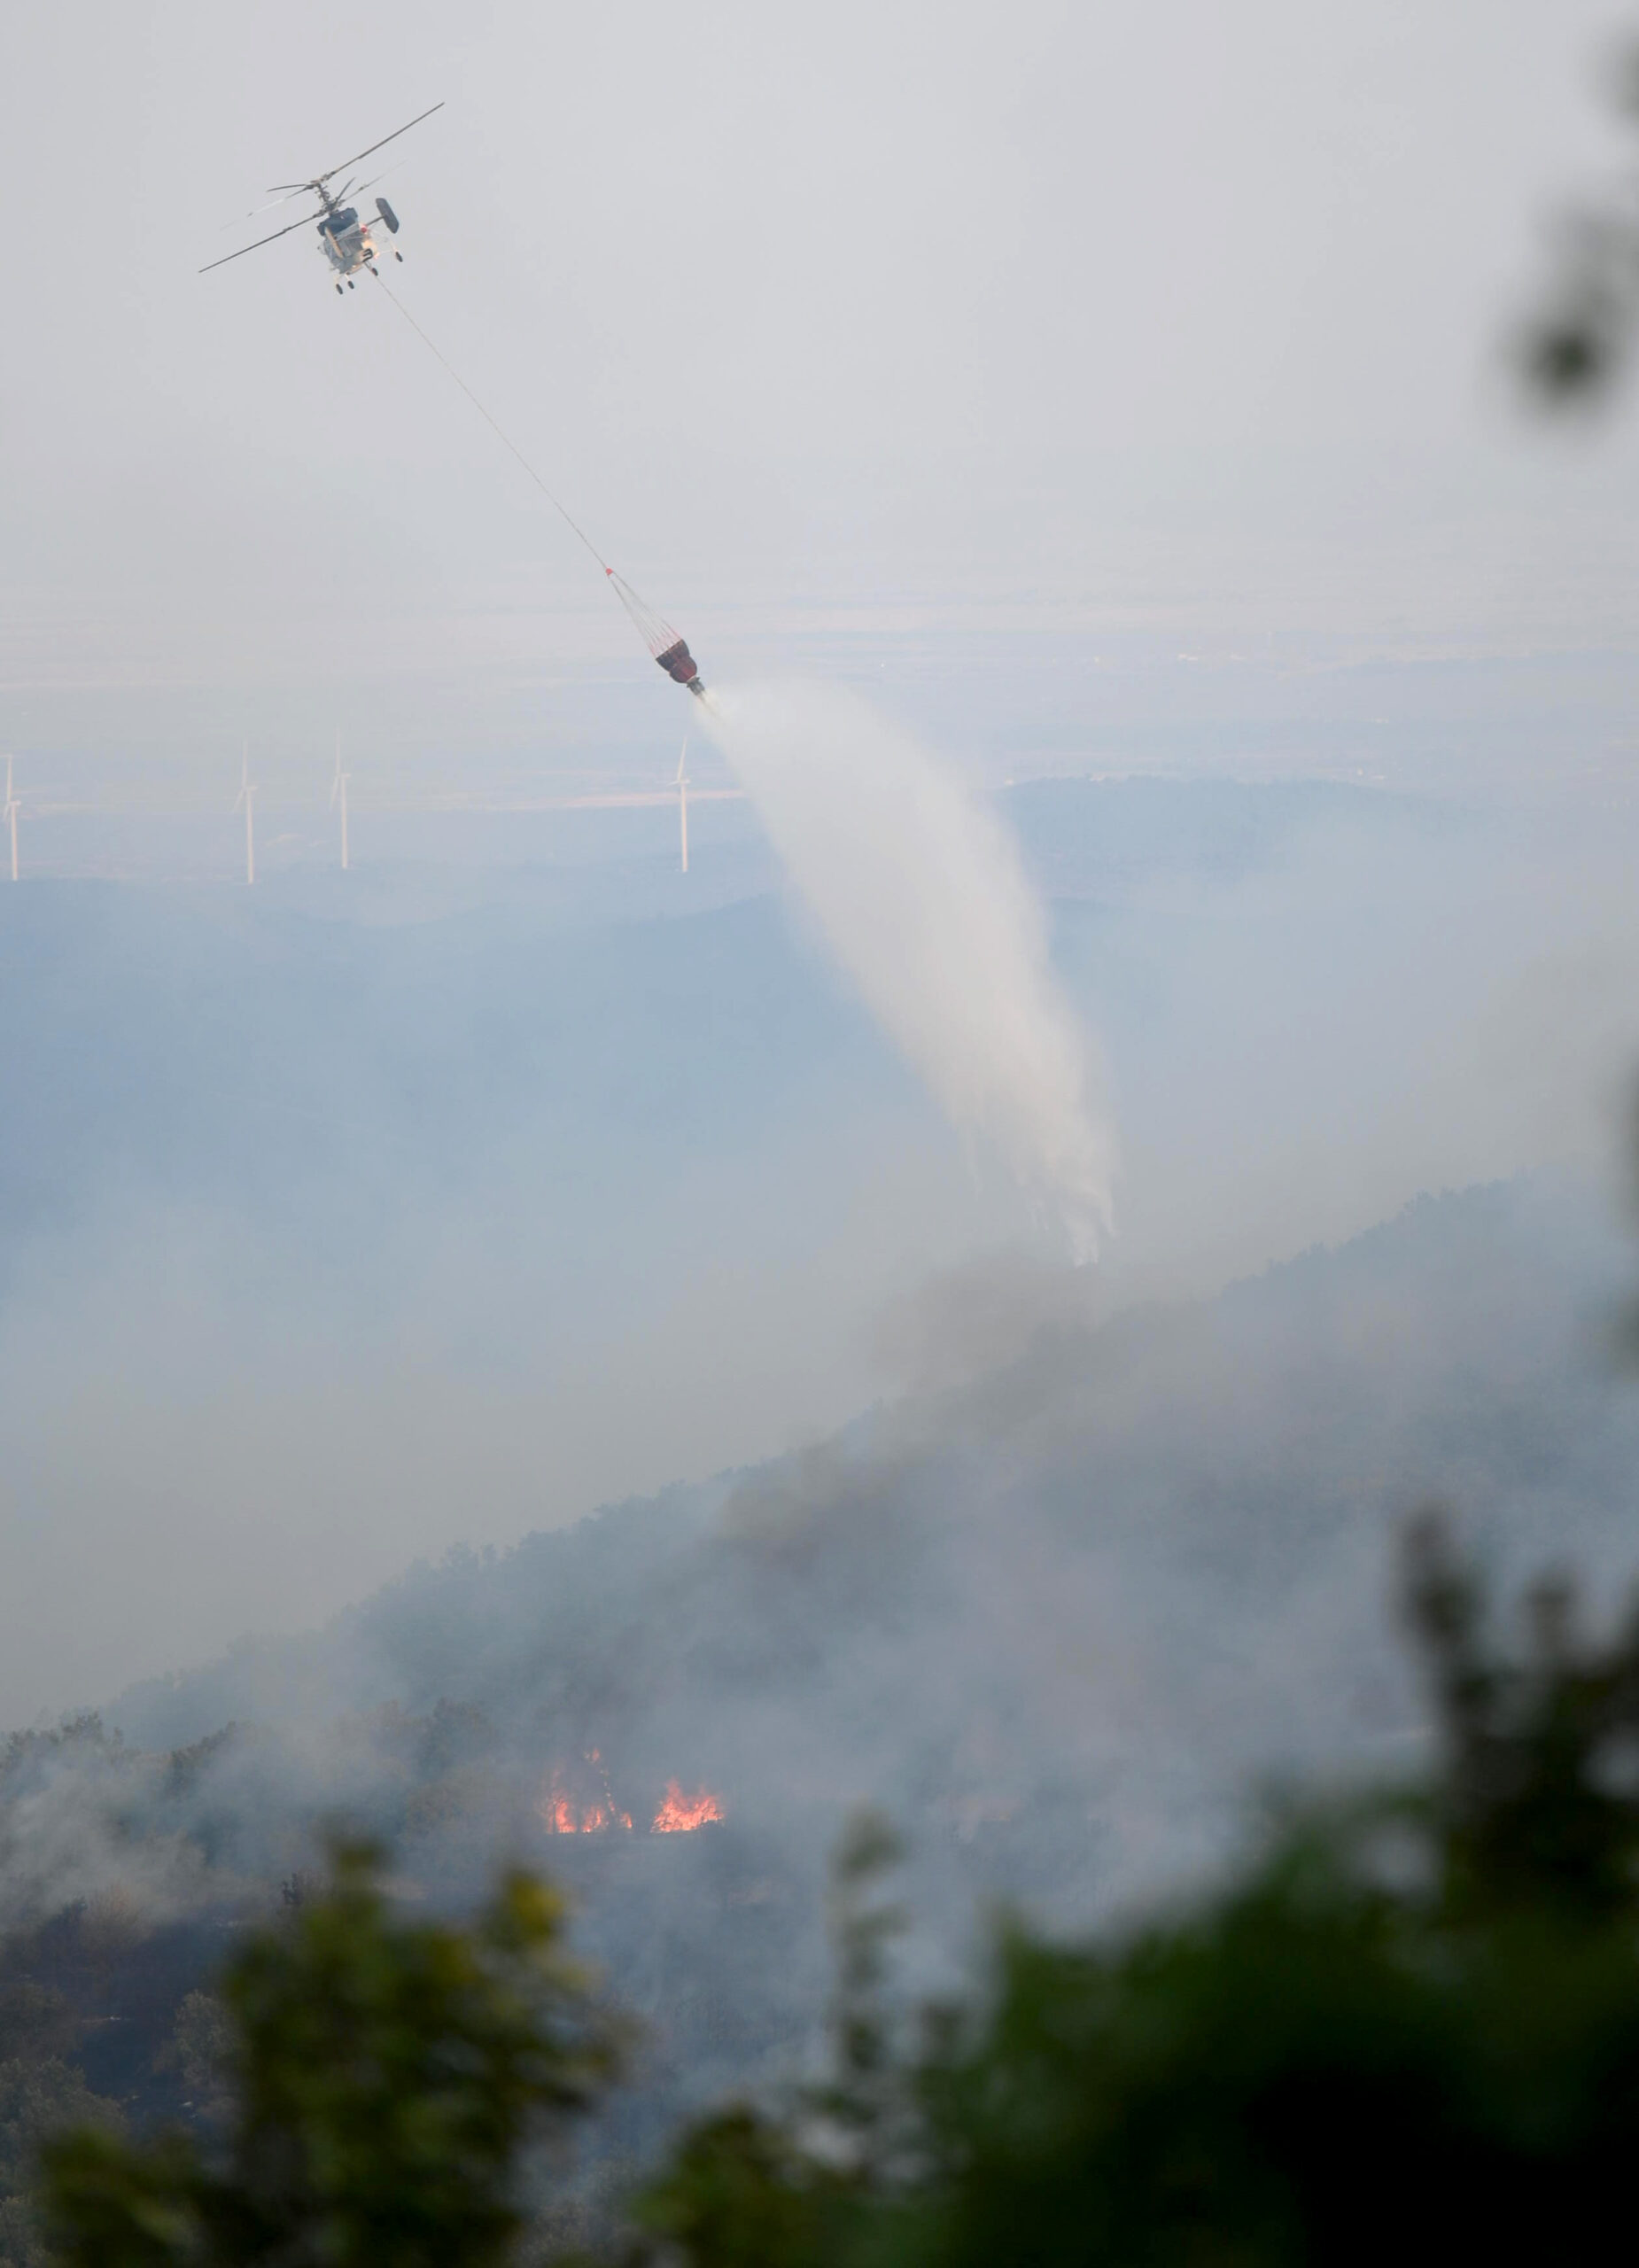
column 923, row 897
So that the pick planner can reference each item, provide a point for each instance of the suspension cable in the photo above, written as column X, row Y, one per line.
column 663, row 641
column 501, row 434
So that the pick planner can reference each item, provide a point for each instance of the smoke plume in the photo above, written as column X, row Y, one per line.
column 921, row 897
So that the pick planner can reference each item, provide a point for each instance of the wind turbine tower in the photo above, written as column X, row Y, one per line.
column 12, row 808
column 246, row 797
column 339, row 797
column 682, row 805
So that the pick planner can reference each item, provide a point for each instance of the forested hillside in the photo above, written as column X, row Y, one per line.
column 1060, row 1621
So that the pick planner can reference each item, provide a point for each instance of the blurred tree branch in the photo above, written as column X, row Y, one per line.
column 1575, row 350
column 384, row 2077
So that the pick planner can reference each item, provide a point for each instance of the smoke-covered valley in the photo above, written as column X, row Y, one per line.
column 1063, row 1622
column 355, row 1218
column 361, row 1246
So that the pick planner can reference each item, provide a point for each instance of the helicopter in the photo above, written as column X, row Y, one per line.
column 344, row 238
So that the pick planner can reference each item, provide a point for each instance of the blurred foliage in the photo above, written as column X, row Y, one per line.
column 384, row 2077
column 743, row 2188
column 40, row 2095
column 1414, row 2024
column 1574, row 350
column 200, row 2051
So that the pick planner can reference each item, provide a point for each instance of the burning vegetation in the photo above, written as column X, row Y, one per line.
column 681, row 1815
column 565, row 1816
column 583, row 1803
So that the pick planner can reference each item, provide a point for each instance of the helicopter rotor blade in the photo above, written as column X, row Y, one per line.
column 379, row 146
column 306, row 222
column 281, row 190
column 258, row 210
column 382, row 144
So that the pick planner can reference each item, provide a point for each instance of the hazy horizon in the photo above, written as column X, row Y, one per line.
column 1102, row 398
column 1001, row 342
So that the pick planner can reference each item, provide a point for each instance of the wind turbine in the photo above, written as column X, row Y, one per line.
column 247, row 797
column 339, row 795
column 12, row 808
column 682, row 805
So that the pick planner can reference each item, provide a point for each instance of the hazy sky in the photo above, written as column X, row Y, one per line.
column 1107, row 386
column 1111, row 317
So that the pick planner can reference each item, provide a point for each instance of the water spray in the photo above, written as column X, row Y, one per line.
column 923, row 899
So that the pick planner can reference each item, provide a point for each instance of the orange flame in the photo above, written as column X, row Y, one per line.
column 681, row 1815
column 561, row 1814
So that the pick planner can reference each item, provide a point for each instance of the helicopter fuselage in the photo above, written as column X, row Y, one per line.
column 344, row 240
